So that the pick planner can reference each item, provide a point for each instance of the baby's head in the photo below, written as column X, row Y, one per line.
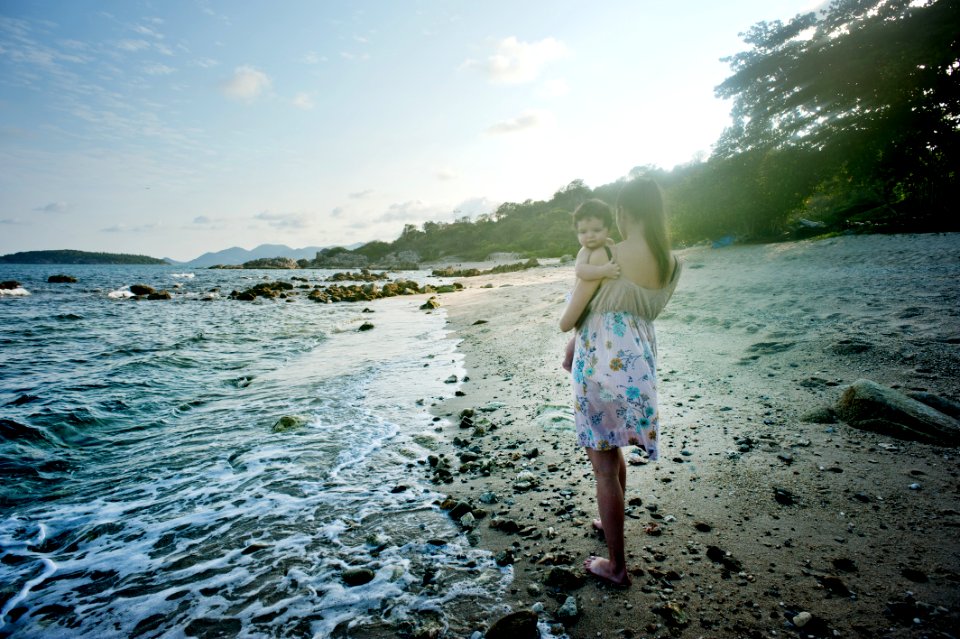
column 592, row 220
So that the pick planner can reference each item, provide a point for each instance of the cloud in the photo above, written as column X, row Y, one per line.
column 527, row 120
column 359, row 195
column 446, row 173
column 312, row 57
column 303, row 101
column 517, row 62
column 337, row 211
column 414, row 211
column 158, row 69
column 554, row 88
column 202, row 219
column 284, row 220
column 246, row 84
column 10, row 221
column 205, row 63
column 476, row 206
column 53, row 207
column 133, row 45
column 123, row 228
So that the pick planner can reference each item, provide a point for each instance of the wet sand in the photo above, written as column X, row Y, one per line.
column 754, row 514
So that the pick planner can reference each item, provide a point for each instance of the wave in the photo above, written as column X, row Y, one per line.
column 14, row 292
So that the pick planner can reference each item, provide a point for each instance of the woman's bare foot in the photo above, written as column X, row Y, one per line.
column 603, row 568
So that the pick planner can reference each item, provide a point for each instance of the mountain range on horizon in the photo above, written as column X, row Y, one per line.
column 238, row 255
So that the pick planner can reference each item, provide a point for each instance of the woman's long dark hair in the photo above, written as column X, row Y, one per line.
column 642, row 201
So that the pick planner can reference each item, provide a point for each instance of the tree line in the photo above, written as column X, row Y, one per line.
column 846, row 120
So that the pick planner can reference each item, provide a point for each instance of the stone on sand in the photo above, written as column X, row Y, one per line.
column 870, row 406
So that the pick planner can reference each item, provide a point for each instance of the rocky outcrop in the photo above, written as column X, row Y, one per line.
column 142, row 289
column 870, row 406
column 61, row 279
column 272, row 263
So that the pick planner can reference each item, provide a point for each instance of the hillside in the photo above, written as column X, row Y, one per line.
column 76, row 257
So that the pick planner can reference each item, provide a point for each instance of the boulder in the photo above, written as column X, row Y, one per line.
column 516, row 625
column 289, row 422
column 870, row 406
column 942, row 404
column 160, row 295
column 61, row 279
column 142, row 289
column 430, row 304
column 357, row 576
column 366, row 326
column 9, row 285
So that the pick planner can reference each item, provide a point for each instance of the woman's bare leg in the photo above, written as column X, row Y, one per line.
column 598, row 524
column 608, row 469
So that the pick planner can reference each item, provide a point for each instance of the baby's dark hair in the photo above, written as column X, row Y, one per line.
column 594, row 209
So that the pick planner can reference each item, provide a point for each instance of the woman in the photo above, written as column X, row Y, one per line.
column 614, row 367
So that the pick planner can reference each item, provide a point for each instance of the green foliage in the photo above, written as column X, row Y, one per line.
column 76, row 257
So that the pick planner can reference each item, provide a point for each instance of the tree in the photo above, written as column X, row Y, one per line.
column 874, row 85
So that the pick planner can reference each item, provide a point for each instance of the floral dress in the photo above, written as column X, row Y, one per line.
column 615, row 367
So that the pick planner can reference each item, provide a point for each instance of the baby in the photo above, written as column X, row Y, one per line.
column 592, row 220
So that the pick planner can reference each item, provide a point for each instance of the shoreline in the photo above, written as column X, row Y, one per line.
column 755, row 339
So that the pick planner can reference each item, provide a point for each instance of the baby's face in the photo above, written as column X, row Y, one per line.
column 591, row 233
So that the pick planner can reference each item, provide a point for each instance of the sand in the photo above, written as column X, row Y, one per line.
column 753, row 515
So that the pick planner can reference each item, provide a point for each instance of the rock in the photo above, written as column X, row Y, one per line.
column 289, row 422
column 450, row 380
column 272, row 262
column 61, row 279
column 160, row 295
column 702, row 527
column 869, row 406
column 9, row 285
column 568, row 612
column 802, row 619
column 516, row 625
column 720, row 556
column 366, row 326
column 357, row 576
column 505, row 558
column 142, row 289
column 460, row 509
column 942, row 404
column 784, row 497
column 672, row 614
column 822, row 415
column 850, row 347
column 430, row 304
column 563, row 579
column 504, row 525
column 914, row 575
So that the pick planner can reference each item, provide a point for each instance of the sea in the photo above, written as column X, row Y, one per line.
column 145, row 492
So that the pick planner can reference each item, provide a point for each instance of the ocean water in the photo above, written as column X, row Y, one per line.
column 145, row 494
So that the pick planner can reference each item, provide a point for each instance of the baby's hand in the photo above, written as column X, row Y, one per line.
column 610, row 270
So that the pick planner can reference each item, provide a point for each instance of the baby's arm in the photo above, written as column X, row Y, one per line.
column 590, row 272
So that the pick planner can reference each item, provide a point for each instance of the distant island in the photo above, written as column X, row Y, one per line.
column 76, row 257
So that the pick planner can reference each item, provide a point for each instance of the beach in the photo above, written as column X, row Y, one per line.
column 765, row 515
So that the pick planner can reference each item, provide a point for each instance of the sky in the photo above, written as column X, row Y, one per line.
column 171, row 128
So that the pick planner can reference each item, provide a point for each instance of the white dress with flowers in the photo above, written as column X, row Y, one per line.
column 615, row 366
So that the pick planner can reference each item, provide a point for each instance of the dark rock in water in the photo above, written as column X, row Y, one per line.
column 213, row 628
column 869, row 406
column 822, row 415
column 61, row 279
column 289, row 422
column 9, row 285
column 563, row 579
column 942, row 404
column 516, row 625
column 357, row 576
column 366, row 326
column 142, row 289
column 160, row 295
column 430, row 304
column 461, row 509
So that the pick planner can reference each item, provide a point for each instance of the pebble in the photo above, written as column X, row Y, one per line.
column 915, row 486
column 568, row 611
column 802, row 619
